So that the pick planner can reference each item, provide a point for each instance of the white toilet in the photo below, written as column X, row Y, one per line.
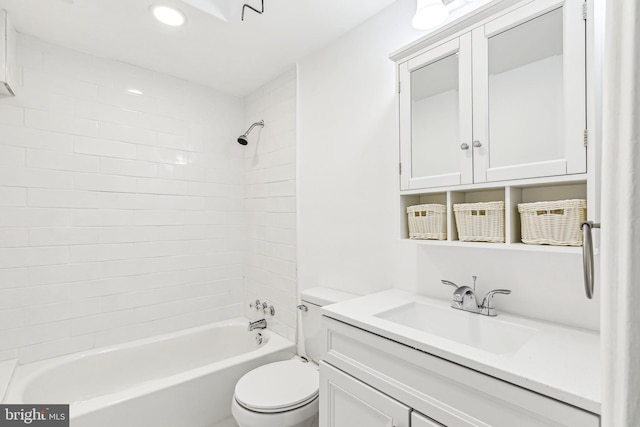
column 285, row 394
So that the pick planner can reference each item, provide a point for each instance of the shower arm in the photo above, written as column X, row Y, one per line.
column 260, row 123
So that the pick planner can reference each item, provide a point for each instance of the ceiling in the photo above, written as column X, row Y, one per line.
column 235, row 57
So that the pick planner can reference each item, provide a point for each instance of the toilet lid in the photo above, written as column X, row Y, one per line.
column 278, row 386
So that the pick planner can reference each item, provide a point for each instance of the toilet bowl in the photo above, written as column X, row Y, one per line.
column 286, row 394
column 280, row 394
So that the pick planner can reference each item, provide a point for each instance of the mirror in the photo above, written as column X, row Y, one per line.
column 435, row 118
column 526, row 100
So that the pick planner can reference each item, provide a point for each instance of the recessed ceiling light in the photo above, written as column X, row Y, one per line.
column 134, row 92
column 168, row 15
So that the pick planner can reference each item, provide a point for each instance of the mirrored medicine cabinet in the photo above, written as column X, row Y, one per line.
column 503, row 100
column 498, row 107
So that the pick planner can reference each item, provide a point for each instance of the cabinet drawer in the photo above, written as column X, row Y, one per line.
column 446, row 392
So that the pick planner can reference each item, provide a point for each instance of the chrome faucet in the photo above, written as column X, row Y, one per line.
column 464, row 298
column 258, row 324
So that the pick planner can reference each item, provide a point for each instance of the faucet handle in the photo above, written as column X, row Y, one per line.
column 449, row 283
column 487, row 302
column 488, row 298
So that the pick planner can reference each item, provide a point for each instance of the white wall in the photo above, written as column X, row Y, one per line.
column 349, row 220
column 270, row 204
column 120, row 215
column 347, row 157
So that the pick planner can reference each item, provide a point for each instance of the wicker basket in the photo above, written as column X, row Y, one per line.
column 427, row 222
column 553, row 223
column 480, row 222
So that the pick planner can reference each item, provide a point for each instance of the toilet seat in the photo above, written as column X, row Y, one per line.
column 278, row 387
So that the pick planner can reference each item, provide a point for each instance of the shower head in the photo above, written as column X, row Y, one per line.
column 242, row 139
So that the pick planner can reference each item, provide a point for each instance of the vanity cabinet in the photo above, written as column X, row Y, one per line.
column 347, row 402
column 502, row 99
column 366, row 379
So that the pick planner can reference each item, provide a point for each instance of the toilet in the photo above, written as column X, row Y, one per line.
column 285, row 394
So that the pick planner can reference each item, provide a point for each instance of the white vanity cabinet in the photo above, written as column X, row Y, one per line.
column 369, row 380
column 347, row 402
column 500, row 99
column 351, row 403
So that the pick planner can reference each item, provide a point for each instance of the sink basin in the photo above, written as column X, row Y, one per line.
column 489, row 334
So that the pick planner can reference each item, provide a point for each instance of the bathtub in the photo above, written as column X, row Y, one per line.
column 183, row 379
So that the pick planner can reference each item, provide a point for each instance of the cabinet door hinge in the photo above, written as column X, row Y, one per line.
column 400, row 168
column 584, row 10
column 586, row 138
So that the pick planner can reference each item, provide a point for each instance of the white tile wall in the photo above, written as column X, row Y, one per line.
column 270, row 202
column 121, row 216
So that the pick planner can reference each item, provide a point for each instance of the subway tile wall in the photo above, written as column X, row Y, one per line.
column 123, row 216
column 270, row 202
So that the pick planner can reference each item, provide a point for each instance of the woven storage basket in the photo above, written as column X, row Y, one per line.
column 427, row 222
column 553, row 223
column 480, row 222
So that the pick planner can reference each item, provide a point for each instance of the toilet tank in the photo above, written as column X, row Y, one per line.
column 313, row 299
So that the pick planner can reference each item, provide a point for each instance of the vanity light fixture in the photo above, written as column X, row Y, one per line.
column 168, row 15
column 429, row 14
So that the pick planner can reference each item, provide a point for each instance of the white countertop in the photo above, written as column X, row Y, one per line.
column 557, row 361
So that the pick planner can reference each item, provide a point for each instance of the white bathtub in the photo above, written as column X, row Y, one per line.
column 183, row 379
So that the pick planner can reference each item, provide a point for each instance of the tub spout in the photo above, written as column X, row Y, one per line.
column 258, row 324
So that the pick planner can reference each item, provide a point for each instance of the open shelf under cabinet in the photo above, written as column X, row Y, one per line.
column 511, row 195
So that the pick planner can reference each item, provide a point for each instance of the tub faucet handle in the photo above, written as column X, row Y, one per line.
column 257, row 304
column 268, row 309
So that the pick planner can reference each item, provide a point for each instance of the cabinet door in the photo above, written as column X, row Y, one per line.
column 347, row 402
column 529, row 95
column 419, row 420
column 435, row 116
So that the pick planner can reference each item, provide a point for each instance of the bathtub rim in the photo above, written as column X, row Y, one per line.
column 24, row 374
